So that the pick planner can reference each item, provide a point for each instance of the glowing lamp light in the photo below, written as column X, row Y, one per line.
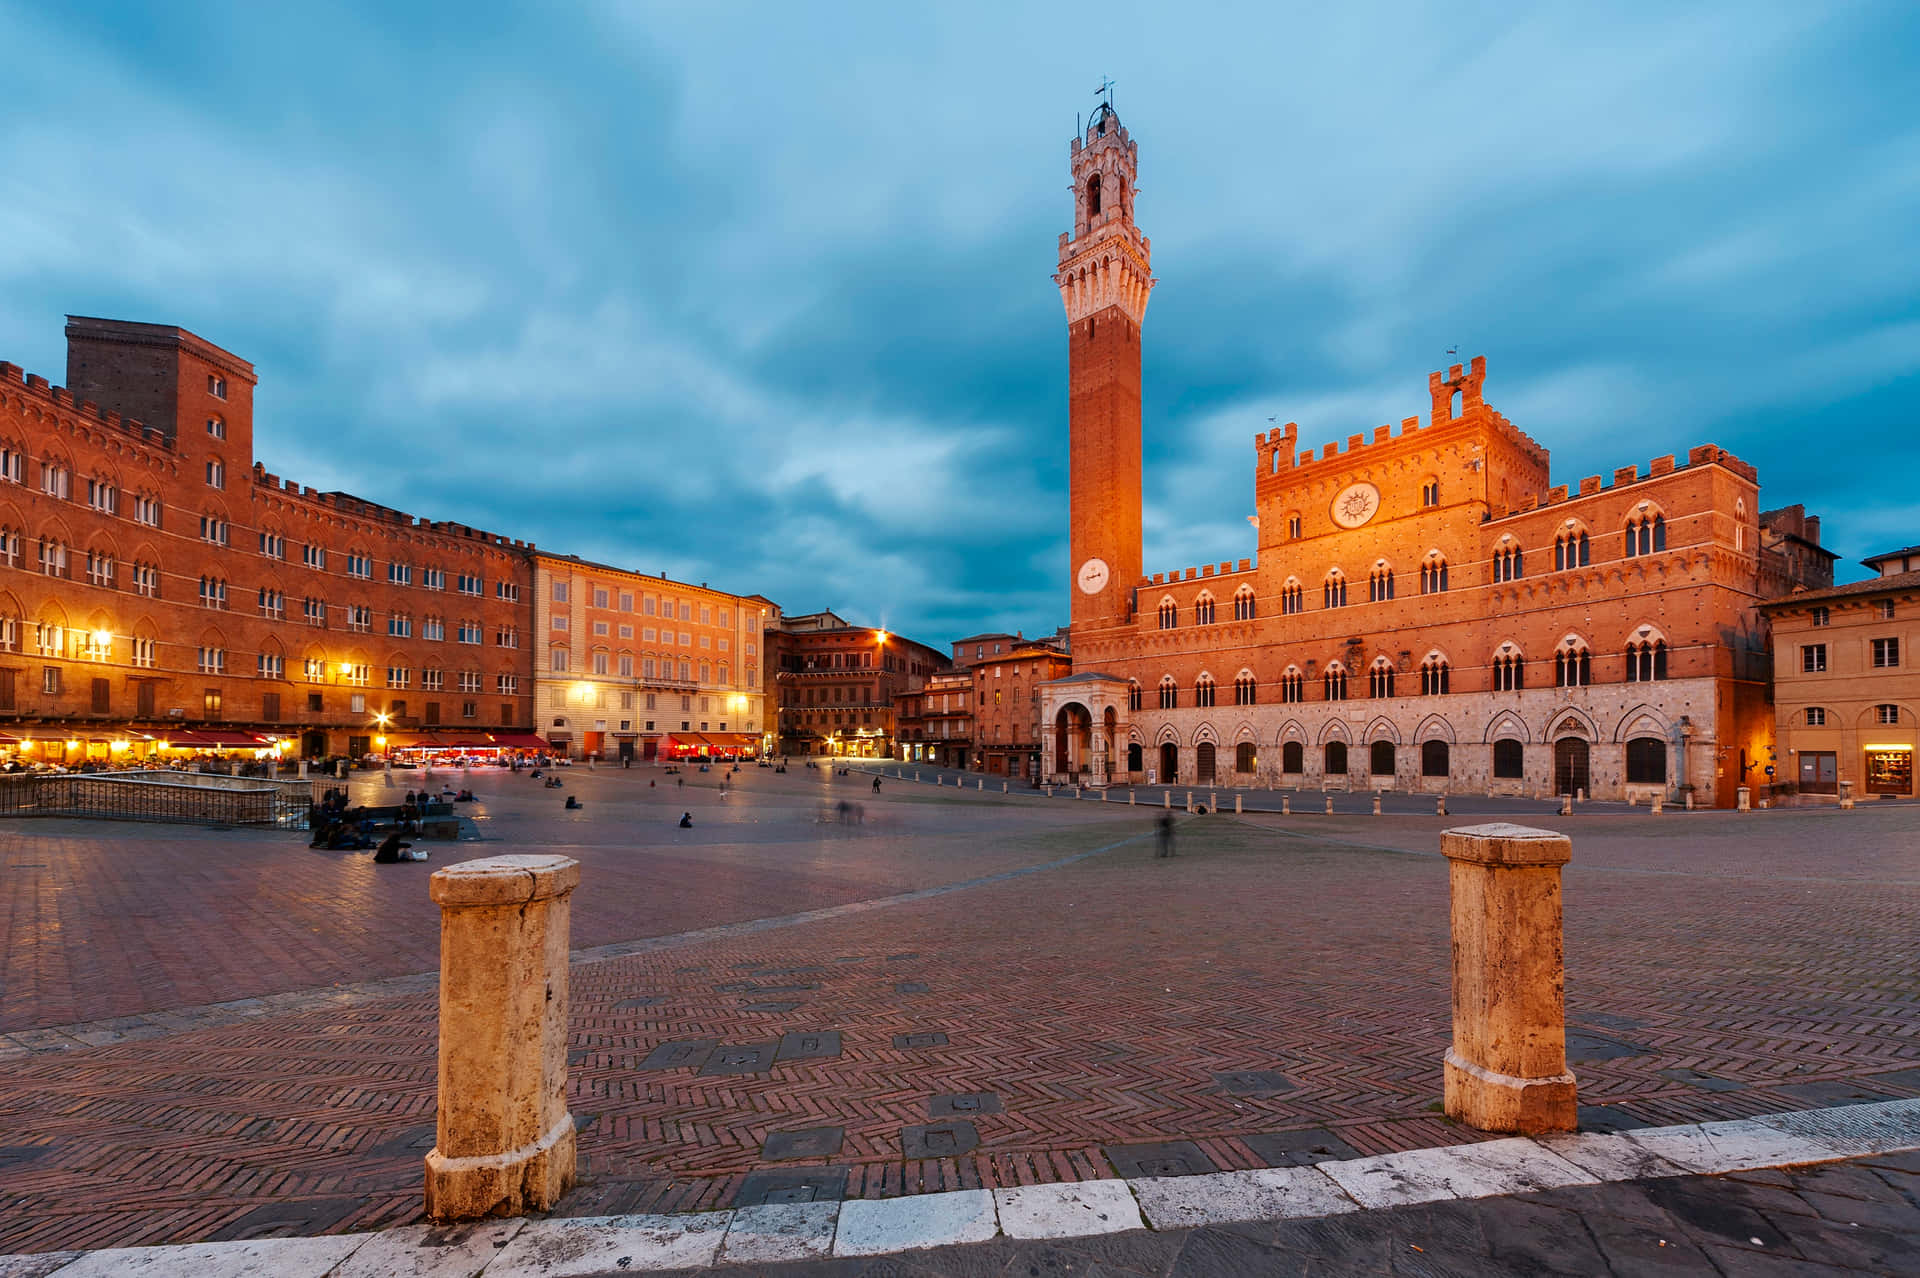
column 344, row 669
column 118, row 746
column 583, row 690
column 101, row 638
column 382, row 718
column 73, row 745
column 381, row 742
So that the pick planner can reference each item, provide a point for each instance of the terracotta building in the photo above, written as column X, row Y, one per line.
column 637, row 667
column 835, row 683
column 157, row 584
column 1846, row 689
column 1007, row 726
column 1425, row 608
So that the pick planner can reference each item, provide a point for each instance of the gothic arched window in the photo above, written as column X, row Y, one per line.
column 1093, row 196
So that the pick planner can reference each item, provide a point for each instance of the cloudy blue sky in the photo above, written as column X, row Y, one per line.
column 758, row 294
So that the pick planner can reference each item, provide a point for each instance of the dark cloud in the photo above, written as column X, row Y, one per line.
column 759, row 295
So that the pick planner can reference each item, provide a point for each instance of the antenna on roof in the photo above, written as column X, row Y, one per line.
column 1453, row 351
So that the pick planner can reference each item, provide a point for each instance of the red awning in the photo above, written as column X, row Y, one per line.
column 472, row 743
column 229, row 737
column 520, row 741
column 421, row 743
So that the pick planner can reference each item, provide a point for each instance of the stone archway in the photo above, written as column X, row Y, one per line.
column 1073, row 739
column 1570, row 765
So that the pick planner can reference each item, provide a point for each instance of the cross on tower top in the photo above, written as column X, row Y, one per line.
column 1105, row 90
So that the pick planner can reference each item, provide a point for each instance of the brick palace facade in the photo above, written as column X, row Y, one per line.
column 1427, row 609
column 158, row 584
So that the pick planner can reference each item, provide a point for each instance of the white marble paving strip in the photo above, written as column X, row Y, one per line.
column 1876, row 1128
column 429, row 1251
column 1740, row 1145
column 776, row 1232
column 1511, row 1166
column 263, row 1258
column 1609, row 1157
column 873, row 1227
column 611, row 1244
column 1071, row 1209
column 1268, row 1193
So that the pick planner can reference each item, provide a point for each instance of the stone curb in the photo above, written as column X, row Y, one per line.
column 560, row 1248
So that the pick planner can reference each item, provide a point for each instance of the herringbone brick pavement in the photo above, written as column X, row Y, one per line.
column 1098, row 1002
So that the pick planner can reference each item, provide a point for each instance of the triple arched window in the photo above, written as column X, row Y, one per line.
column 1334, row 590
column 1646, row 533
column 1509, row 671
column 1380, row 583
column 1169, row 614
column 1380, row 678
column 1244, row 689
column 1169, row 693
column 1203, row 691
column 1133, row 696
column 1572, row 665
column 1293, row 685
column 1507, row 565
column 1646, row 660
column 1290, row 597
column 1434, row 675
column 1243, row 604
column 1572, row 549
column 1335, row 682
column 1433, row 574
column 1203, row 610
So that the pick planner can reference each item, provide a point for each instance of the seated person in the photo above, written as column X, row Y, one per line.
column 391, row 850
column 573, row 801
column 686, row 820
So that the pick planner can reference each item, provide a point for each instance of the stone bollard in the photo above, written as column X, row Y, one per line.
column 1689, row 798
column 1129, row 798
column 505, row 1144
column 1236, row 805
column 916, row 774
column 1166, row 798
column 1743, row 799
column 1654, row 809
column 1103, row 796
column 1049, row 792
column 1507, row 1068
column 1286, row 805
column 1846, row 796
column 980, row 784
column 1580, row 795
column 1376, row 803
column 1189, row 800
column 1632, row 799
column 1076, row 792
column 1329, row 805
column 1003, row 787
column 1440, row 805
column 1566, row 805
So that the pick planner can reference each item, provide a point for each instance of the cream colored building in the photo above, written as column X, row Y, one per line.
column 1846, row 690
column 629, row 665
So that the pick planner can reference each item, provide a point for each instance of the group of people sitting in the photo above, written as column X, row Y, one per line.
column 338, row 827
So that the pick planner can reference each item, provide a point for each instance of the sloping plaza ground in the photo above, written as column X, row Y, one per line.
column 210, row 1035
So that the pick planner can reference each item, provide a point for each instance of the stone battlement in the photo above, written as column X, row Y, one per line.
column 1700, row 455
column 15, row 378
column 1202, row 573
column 360, row 508
column 1276, row 448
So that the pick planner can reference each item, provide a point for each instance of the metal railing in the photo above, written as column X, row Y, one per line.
column 182, row 798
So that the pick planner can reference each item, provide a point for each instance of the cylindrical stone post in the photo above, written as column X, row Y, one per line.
column 1236, row 805
column 1689, row 798
column 1743, row 799
column 1566, row 804
column 505, row 1141
column 1189, row 800
column 1376, row 803
column 1507, row 1068
column 1129, row 798
column 980, row 784
column 1003, row 787
column 1440, row 806
column 1655, row 808
column 1329, row 805
column 1846, row 796
column 1166, row 799
column 1286, row 805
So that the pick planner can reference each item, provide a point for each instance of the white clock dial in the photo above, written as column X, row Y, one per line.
column 1355, row 505
column 1093, row 576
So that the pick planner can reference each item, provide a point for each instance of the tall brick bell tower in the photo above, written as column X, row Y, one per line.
column 1104, row 278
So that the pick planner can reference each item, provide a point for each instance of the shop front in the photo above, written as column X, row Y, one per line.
column 1888, row 768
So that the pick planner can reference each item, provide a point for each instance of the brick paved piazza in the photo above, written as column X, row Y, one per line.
column 227, row 1034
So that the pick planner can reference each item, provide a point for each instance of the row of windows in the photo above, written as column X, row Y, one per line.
column 1884, row 653
column 1883, row 608
column 1570, row 550
column 1646, row 759
column 1816, row 716
column 560, row 661
column 651, row 606
column 1572, row 668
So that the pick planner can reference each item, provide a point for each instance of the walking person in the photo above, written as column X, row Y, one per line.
column 1166, row 836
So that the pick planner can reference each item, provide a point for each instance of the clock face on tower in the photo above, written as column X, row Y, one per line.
column 1355, row 505
column 1093, row 576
